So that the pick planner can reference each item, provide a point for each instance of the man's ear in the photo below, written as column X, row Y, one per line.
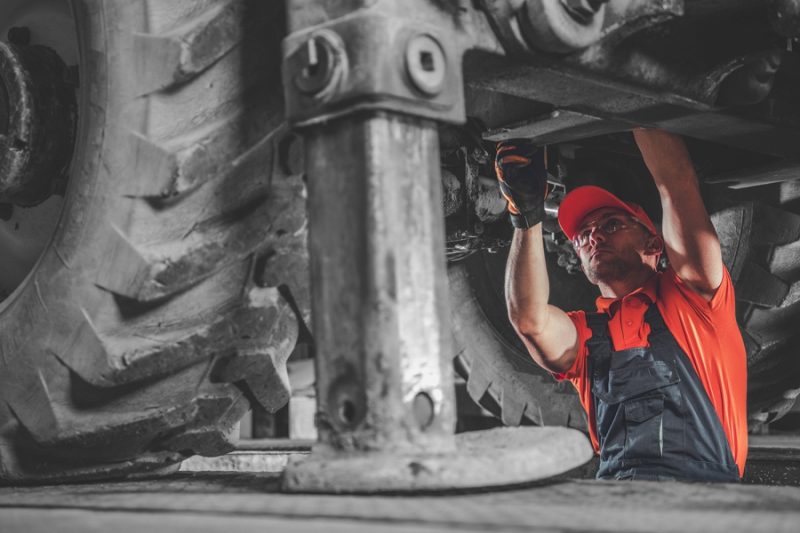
column 654, row 245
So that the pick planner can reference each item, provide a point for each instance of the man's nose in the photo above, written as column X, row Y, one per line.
column 596, row 235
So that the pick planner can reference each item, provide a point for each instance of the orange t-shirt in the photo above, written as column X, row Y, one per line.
column 706, row 331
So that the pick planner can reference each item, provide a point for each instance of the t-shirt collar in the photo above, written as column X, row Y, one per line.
column 646, row 293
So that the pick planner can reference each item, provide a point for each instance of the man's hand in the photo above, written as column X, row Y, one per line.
column 520, row 167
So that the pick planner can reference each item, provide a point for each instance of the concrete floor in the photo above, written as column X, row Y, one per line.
column 235, row 502
column 215, row 494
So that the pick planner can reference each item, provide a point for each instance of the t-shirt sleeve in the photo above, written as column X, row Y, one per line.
column 723, row 301
column 577, row 370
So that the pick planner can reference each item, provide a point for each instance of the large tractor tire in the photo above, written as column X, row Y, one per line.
column 138, row 337
column 761, row 247
column 501, row 376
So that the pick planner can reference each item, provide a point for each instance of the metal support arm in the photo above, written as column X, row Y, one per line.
column 364, row 89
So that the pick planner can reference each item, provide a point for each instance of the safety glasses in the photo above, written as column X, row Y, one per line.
column 608, row 225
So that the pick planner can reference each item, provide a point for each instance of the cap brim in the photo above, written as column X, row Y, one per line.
column 582, row 201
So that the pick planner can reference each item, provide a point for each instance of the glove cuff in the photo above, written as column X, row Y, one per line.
column 528, row 219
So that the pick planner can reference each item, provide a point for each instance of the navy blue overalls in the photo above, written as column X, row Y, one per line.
column 653, row 417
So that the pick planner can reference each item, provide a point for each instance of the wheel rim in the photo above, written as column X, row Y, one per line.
column 25, row 232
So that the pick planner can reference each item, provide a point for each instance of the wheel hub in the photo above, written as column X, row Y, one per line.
column 37, row 123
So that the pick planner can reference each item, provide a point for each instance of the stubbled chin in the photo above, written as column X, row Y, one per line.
column 604, row 270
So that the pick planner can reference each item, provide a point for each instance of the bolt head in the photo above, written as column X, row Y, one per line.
column 426, row 64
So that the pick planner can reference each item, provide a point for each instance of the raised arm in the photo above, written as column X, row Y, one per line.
column 691, row 242
column 547, row 332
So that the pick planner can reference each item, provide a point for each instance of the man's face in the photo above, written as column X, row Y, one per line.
column 611, row 243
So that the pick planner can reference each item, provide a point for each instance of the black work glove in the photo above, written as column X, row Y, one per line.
column 522, row 175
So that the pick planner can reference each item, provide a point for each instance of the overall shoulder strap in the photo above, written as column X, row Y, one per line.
column 599, row 345
column 653, row 317
column 598, row 323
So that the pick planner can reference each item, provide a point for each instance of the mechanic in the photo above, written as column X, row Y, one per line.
column 661, row 367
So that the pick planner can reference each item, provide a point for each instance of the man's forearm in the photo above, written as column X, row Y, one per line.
column 666, row 156
column 527, row 286
column 547, row 332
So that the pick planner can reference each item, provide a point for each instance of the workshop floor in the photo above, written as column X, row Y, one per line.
column 236, row 502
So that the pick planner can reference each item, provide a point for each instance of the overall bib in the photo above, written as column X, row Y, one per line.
column 653, row 417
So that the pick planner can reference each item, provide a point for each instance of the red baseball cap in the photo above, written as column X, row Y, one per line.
column 583, row 200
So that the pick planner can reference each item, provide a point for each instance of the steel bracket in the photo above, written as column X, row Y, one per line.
column 373, row 61
column 530, row 27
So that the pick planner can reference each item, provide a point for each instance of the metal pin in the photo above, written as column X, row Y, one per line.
column 312, row 52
